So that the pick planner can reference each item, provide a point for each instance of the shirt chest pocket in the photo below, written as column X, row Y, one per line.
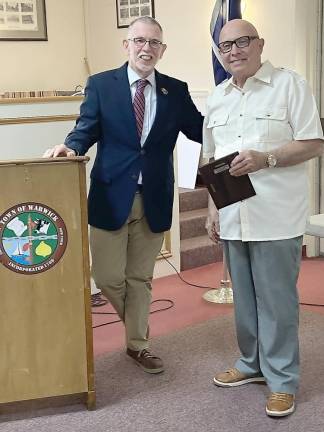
column 219, row 127
column 271, row 124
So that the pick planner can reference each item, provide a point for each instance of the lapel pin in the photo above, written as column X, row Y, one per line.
column 164, row 91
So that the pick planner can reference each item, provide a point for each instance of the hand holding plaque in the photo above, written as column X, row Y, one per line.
column 224, row 188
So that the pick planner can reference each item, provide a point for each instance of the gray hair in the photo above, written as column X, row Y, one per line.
column 147, row 20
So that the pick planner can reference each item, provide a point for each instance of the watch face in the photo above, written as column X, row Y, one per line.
column 271, row 161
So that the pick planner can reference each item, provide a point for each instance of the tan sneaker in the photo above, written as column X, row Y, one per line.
column 146, row 361
column 280, row 404
column 233, row 378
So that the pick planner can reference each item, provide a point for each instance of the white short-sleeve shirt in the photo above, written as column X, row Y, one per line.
column 274, row 107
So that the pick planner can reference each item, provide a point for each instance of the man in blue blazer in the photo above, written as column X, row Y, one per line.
column 135, row 114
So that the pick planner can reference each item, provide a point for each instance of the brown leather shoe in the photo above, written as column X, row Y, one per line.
column 280, row 404
column 233, row 378
column 146, row 361
column 98, row 300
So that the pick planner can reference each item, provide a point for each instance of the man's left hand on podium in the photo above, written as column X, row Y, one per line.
column 59, row 150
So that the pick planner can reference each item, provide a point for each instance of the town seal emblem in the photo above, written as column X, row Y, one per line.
column 33, row 238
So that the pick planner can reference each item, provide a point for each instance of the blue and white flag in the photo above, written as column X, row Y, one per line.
column 224, row 10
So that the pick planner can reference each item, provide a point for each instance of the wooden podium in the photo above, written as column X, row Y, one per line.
column 45, row 313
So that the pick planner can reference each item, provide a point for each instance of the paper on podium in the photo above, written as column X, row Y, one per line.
column 188, row 153
column 224, row 188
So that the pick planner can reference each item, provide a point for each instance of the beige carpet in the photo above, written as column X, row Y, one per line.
column 183, row 399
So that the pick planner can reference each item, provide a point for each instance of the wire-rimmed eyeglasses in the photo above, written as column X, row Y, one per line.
column 140, row 42
column 241, row 42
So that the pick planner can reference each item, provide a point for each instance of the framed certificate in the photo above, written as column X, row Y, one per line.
column 23, row 20
column 128, row 10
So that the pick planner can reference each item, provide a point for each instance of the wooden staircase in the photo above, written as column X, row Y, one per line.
column 196, row 249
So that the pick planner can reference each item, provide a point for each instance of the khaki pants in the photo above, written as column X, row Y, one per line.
column 122, row 267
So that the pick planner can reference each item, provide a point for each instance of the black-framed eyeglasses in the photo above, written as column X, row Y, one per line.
column 241, row 42
column 140, row 42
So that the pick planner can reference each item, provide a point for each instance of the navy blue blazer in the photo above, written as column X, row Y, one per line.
column 107, row 117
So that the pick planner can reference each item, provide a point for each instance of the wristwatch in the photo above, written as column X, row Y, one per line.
column 271, row 160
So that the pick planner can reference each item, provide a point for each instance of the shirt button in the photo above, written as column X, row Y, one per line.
column 143, row 152
column 241, row 115
column 239, row 136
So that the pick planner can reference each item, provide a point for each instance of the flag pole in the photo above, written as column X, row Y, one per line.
column 224, row 10
column 223, row 294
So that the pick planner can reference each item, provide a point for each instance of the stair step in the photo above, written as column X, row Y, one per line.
column 192, row 199
column 192, row 223
column 198, row 251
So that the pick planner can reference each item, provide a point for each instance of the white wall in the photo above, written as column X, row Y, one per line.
column 56, row 64
column 289, row 30
column 275, row 22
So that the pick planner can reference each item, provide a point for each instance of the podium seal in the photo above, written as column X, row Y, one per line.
column 33, row 238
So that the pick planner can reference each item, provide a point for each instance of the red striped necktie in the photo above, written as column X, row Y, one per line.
column 139, row 105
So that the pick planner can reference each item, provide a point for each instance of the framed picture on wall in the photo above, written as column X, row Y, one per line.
column 23, row 20
column 128, row 10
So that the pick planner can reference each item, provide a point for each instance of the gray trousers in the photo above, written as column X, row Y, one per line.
column 264, row 276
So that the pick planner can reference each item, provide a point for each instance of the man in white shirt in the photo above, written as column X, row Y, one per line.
column 269, row 115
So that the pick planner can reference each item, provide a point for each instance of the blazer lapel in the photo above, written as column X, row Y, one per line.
column 124, row 102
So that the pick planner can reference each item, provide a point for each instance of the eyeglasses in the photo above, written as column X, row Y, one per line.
column 241, row 42
column 140, row 42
